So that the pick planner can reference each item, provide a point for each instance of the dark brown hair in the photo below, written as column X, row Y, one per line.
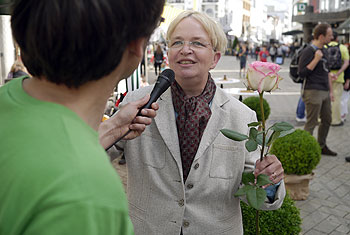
column 72, row 42
column 321, row 29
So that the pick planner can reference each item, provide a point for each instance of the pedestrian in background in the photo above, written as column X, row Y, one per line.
column 346, row 93
column 273, row 52
column 338, row 57
column 158, row 59
column 17, row 70
column 317, row 96
column 143, row 65
column 263, row 54
column 243, row 55
column 257, row 51
column 300, row 112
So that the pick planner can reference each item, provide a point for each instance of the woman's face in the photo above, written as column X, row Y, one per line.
column 192, row 61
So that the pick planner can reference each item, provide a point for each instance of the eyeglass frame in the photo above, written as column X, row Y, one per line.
column 191, row 44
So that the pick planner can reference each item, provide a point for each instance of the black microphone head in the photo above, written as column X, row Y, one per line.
column 168, row 73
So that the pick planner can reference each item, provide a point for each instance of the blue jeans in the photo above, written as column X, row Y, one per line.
column 301, row 108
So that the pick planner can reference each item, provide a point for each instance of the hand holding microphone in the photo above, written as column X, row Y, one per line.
column 164, row 80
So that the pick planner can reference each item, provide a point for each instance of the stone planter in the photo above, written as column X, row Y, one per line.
column 298, row 185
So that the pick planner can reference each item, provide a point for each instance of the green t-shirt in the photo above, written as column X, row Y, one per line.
column 55, row 178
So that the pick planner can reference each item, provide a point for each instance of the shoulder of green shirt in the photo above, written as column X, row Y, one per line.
column 344, row 52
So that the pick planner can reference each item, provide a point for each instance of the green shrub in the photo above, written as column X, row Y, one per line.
column 298, row 152
column 284, row 221
column 253, row 102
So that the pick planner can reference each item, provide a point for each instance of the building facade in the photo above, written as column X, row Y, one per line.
column 248, row 20
column 334, row 12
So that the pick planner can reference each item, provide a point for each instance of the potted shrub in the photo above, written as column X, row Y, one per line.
column 253, row 103
column 285, row 220
column 299, row 154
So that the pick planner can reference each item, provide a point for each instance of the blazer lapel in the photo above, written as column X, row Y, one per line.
column 216, row 122
column 166, row 124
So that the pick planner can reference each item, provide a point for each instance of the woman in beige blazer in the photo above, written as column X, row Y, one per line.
column 182, row 172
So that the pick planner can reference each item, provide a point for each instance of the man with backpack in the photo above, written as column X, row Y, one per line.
column 338, row 57
column 317, row 95
column 294, row 75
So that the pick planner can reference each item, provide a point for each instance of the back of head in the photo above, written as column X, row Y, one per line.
column 335, row 36
column 72, row 42
column 159, row 49
column 215, row 32
column 321, row 29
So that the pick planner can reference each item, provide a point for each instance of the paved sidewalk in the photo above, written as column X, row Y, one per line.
column 327, row 209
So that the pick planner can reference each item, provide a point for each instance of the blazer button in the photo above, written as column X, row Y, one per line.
column 189, row 186
column 181, row 202
column 196, row 166
column 186, row 224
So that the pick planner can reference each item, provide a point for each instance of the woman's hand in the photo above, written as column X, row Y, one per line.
column 271, row 167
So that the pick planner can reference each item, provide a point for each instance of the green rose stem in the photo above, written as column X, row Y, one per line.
column 257, row 222
column 263, row 124
column 262, row 150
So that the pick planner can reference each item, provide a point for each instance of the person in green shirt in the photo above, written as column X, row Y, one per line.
column 55, row 177
column 337, row 84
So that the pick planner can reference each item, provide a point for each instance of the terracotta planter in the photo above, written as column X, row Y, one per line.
column 298, row 185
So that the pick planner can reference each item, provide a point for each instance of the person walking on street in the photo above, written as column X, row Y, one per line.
column 346, row 93
column 338, row 56
column 300, row 112
column 317, row 96
column 273, row 52
column 243, row 54
column 263, row 54
column 158, row 59
column 257, row 51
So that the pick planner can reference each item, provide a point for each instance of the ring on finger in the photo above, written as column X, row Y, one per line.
column 273, row 175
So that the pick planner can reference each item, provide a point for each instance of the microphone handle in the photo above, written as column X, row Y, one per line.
column 119, row 139
column 153, row 98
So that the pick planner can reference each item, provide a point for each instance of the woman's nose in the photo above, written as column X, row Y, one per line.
column 186, row 49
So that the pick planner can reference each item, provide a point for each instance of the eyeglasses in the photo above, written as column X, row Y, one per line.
column 194, row 45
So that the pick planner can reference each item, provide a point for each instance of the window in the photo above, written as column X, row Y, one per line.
column 176, row 1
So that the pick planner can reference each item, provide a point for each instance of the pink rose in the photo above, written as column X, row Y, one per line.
column 263, row 76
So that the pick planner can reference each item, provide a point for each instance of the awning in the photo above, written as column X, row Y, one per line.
column 344, row 25
column 293, row 32
column 169, row 14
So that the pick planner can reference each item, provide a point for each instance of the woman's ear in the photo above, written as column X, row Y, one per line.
column 216, row 59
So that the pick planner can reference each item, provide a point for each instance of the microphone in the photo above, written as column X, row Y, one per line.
column 164, row 81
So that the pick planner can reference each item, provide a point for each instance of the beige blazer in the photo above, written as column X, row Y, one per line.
column 160, row 203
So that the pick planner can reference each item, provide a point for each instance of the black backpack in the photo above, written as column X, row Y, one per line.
column 293, row 67
column 334, row 57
